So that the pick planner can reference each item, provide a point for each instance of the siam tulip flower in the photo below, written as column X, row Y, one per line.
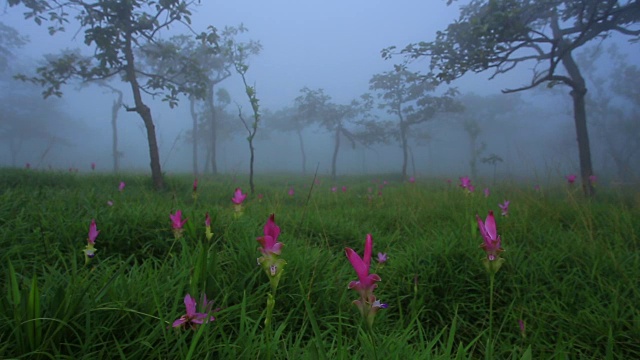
column 260, row 197
column 90, row 250
column 207, row 224
column 465, row 182
column 109, row 202
column 291, row 191
column 93, row 166
column 593, row 179
column 177, row 223
column 571, row 178
column 492, row 243
column 366, row 283
column 270, row 249
column 521, row 325
column 412, row 179
column 121, row 186
column 385, row 182
column 486, row 192
column 471, row 188
column 334, row 189
column 505, row 208
column 237, row 199
column 382, row 258
column 192, row 319
column 344, row 189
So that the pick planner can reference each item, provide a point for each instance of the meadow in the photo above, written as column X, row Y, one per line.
column 569, row 287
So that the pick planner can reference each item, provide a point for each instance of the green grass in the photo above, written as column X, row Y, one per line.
column 572, row 270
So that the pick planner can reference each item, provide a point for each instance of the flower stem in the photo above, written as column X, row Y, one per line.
column 492, row 276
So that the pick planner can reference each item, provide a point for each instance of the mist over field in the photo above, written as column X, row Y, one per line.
column 334, row 46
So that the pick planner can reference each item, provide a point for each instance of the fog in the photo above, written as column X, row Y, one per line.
column 330, row 45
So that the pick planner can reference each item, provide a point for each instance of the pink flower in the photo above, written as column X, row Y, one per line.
column 291, row 191
column 505, row 208
column 334, row 189
column 522, row 328
column 192, row 319
column 90, row 250
column 491, row 245
column 366, row 282
column 93, row 166
column 207, row 220
column 269, row 241
column 176, row 220
column 109, row 202
column 571, row 178
column 412, row 179
column 93, row 232
column 121, row 186
column 486, row 192
column 344, row 189
column 465, row 182
column 238, row 197
column 471, row 188
column 260, row 197
column 593, row 179
column 195, row 185
column 382, row 258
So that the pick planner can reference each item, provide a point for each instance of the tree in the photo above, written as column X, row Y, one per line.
column 113, row 29
column 334, row 117
column 199, row 66
column 406, row 95
column 478, row 112
column 10, row 40
column 290, row 119
column 499, row 35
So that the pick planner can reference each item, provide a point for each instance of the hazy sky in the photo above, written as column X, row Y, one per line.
column 330, row 44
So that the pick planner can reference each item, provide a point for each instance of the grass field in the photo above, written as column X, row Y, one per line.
column 571, row 275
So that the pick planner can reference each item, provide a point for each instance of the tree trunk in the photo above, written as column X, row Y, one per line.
column 194, row 117
column 335, row 154
column 145, row 113
column 214, row 130
column 578, row 93
column 117, row 104
column 304, row 156
column 405, row 151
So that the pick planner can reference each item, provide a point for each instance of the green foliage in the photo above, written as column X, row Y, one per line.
column 570, row 274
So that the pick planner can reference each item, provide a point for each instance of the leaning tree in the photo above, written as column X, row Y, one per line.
column 113, row 29
column 500, row 35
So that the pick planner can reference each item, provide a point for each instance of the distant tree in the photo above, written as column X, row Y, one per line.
column 616, row 119
column 199, row 66
column 479, row 112
column 334, row 117
column 10, row 40
column 290, row 119
column 114, row 29
column 28, row 119
column 406, row 95
column 499, row 35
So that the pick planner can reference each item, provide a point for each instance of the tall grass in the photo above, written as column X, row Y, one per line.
column 572, row 271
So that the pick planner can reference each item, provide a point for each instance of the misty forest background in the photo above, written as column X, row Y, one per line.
column 191, row 81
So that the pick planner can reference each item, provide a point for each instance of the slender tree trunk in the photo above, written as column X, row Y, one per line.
column 115, row 108
column 251, row 160
column 473, row 156
column 304, row 156
column 580, row 117
column 214, row 128
column 405, row 151
column 194, row 117
column 145, row 113
column 335, row 154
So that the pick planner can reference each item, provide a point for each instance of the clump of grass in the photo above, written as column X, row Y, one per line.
column 571, row 274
